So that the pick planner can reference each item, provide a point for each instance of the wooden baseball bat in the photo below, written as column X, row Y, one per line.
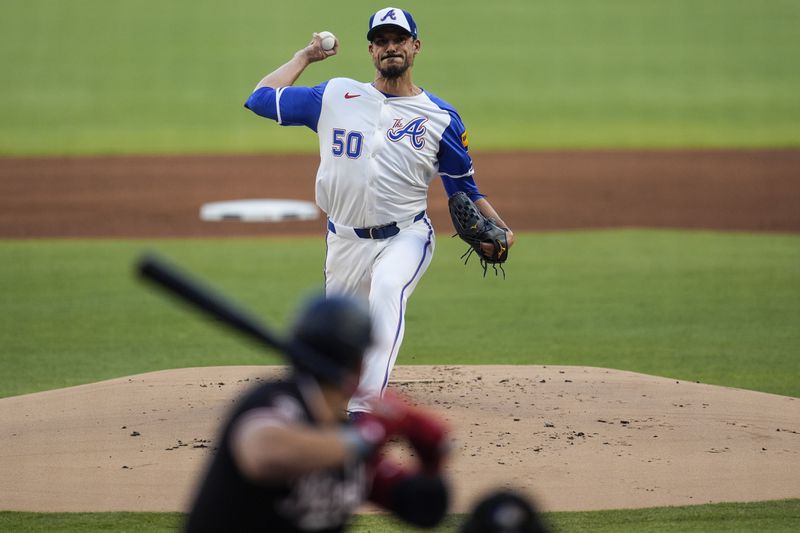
column 205, row 299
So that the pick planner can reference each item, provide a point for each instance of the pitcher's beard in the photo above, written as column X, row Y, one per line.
column 392, row 73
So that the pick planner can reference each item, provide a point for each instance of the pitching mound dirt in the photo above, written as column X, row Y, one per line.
column 572, row 438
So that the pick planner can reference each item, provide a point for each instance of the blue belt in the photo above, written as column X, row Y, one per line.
column 377, row 232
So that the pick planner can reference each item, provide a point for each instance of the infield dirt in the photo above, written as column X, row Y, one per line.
column 575, row 438
column 161, row 196
column 572, row 438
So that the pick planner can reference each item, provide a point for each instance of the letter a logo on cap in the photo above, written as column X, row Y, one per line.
column 392, row 16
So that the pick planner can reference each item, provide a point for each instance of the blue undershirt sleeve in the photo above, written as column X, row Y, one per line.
column 467, row 185
column 455, row 163
column 288, row 106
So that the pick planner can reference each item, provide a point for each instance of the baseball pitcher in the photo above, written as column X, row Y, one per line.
column 381, row 144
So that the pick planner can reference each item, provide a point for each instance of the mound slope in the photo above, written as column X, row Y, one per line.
column 574, row 438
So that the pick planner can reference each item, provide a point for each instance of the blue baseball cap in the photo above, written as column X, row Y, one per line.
column 392, row 16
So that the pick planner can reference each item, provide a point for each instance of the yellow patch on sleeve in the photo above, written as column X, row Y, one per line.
column 465, row 140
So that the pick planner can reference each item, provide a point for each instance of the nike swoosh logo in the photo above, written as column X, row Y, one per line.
column 348, row 96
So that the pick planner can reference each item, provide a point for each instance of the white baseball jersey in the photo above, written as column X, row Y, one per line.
column 378, row 153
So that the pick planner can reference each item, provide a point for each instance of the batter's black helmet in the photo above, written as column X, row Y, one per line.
column 336, row 328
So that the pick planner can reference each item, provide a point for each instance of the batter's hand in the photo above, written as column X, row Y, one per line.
column 314, row 52
column 367, row 435
column 424, row 431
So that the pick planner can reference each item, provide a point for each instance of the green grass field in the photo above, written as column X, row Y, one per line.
column 100, row 76
column 772, row 517
column 717, row 308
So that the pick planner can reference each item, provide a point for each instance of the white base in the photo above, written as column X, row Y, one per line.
column 264, row 210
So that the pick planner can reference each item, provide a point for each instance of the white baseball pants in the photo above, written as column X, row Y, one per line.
column 384, row 272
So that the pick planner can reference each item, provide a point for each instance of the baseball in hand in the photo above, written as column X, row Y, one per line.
column 327, row 39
